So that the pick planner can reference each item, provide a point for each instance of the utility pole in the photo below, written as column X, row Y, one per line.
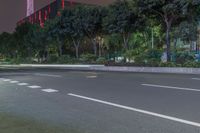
column 30, row 7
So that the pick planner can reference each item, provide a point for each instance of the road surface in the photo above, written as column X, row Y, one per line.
column 103, row 102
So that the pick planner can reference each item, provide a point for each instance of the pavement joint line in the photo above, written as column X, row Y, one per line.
column 22, row 84
column 50, row 90
column 34, row 87
column 175, row 119
column 48, row 75
column 171, row 87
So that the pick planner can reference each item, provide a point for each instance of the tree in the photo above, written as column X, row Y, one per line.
column 169, row 11
column 22, row 37
column 7, row 44
column 122, row 19
column 71, row 23
column 91, row 20
column 55, row 33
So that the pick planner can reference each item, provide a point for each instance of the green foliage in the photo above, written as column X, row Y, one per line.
column 66, row 59
column 88, row 58
column 21, row 60
column 52, row 59
column 183, row 57
column 167, row 64
column 170, row 12
column 154, row 54
column 129, row 27
column 122, row 19
column 191, row 64
column 101, row 60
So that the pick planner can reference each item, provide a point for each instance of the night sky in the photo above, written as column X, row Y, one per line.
column 13, row 10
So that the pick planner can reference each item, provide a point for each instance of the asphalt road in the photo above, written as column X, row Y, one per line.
column 103, row 102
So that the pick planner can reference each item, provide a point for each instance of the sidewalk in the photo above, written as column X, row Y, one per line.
column 175, row 70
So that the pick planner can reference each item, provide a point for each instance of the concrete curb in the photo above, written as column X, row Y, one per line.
column 111, row 68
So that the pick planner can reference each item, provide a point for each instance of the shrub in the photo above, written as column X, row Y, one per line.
column 140, row 59
column 66, row 59
column 101, row 60
column 152, row 63
column 191, row 64
column 88, row 58
column 167, row 64
column 20, row 60
column 154, row 54
column 183, row 57
column 52, row 59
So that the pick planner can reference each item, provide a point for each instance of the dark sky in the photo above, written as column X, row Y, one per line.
column 13, row 10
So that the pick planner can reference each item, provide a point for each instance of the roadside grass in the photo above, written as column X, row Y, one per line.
column 14, row 124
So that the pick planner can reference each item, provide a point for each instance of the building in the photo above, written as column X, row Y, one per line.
column 53, row 9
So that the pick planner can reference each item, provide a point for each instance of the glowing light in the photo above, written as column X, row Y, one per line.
column 30, row 7
column 63, row 4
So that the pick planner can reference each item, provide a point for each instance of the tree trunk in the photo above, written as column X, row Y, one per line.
column 60, row 50
column 77, row 51
column 168, row 26
column 94, row 46
column 126, row 40
column 99, row 49
column 76, row 45
column 175, row 43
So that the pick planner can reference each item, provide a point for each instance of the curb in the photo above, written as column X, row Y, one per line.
column 170, row 70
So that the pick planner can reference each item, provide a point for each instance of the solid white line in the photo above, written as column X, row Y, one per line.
column 34, row 87
column 22, row 84
column 13, row 82
column 171, row 87
column 196, row 78
column 49, row 90
column 48, row 75
column 138, row 110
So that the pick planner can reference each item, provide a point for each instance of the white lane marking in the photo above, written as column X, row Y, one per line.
column 22, row 84
column 34, row 87
column 7, row 80
column 171, row 87
column 49, row 90
column 13, row 82
column 138, row 110
column 47, row 75
column 196, row 78
column 91, row 77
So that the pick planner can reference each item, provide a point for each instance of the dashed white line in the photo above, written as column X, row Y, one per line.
column 138, row 110
column 48, row 75
column 172, row 87
column 91, row 77
column 13, row 82
column 196, row 78
column 6, row 80
column 34, row 87
column 49, row 90
column 22, row 84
